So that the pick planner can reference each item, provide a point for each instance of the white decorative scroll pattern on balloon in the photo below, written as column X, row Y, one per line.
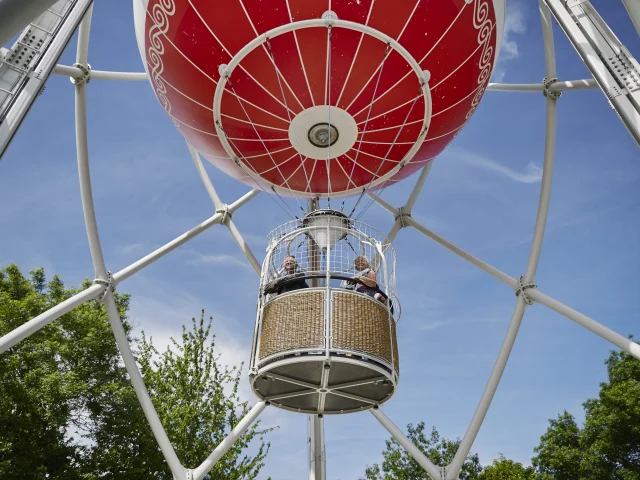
column 160, row 13
column 483, row 23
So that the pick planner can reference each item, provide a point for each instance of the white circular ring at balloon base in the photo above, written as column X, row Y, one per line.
column 423, row 79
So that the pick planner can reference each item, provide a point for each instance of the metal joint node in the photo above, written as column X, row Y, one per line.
column 522, row 289
column 443, row 473
column 226, row 214
column 108, row 284
column 188, row 474
column 402, row 214
column 546, row 88
column 86, row 74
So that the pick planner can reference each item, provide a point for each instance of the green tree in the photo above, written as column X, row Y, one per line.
column 608, row 444
column 199, row 406
column 504, row 469
column 68, row 411
column 397, row 464
column 558, row 455
column 610, row 437
column 52, row 382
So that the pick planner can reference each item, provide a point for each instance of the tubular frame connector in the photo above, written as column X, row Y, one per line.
column 402, row 214
column 226, row 214
column 443, row 473
column 546, row 90
column 108, row 284
column 188, row 474
column 522, row 290
column 86, row 74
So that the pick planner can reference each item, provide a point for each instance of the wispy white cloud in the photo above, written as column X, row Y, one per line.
column 514, row 23
column 532, row 174
column 218, row 259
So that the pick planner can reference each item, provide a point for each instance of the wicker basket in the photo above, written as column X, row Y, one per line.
column 363, row 324
column 292, row 321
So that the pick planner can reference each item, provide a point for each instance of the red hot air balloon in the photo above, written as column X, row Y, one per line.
column 319, row 97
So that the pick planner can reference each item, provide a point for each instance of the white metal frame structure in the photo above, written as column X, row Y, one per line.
column 524, row 287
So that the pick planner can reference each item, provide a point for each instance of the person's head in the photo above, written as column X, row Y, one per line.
column 361, row 263
column 290, row 264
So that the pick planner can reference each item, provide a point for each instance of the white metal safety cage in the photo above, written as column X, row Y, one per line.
column 583, row 28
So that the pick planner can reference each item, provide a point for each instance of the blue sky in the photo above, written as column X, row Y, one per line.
column 481, row 194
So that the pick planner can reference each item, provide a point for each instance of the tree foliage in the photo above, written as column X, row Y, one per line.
column 68, row 411
column 608, row 444
column 505, row 469
column 397, row 464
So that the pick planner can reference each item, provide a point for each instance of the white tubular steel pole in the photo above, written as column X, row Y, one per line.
column 561, row 86
column 418, row 456
column 44, row 319
column 227, row 443
column 487, row 396
column 204, row 176
column 549, row 149
column 75, row 72
column 633, row 7
column 83, row 152
column 534, row 256
column 317, row 459
column 141, row 390
column 251, row 258
column 494, row 272
column 418, row 187
column 101, row 271
column 393, row 210
column 215, row 198
column 162, row 251
column 393, row 233
column 618, row 340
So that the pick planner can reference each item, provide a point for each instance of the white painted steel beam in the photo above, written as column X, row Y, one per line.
column 428, row 466
column 75, row 72
column 223, row 209
column 101, row 272
column 623, row 343
column 413, row 197
column 239, row 430
column 15, row 14
column 560, row 86
column 26, row 89
column 45, row 318
column 317, row 457
column 609, row 61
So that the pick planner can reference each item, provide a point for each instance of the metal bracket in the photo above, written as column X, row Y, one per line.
column 443, row 473
column 402, row 214
column 522, row 290
column 86, row 74
column 226, row 214
column 546, row 91
column 188, row 474
column 107, row 283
